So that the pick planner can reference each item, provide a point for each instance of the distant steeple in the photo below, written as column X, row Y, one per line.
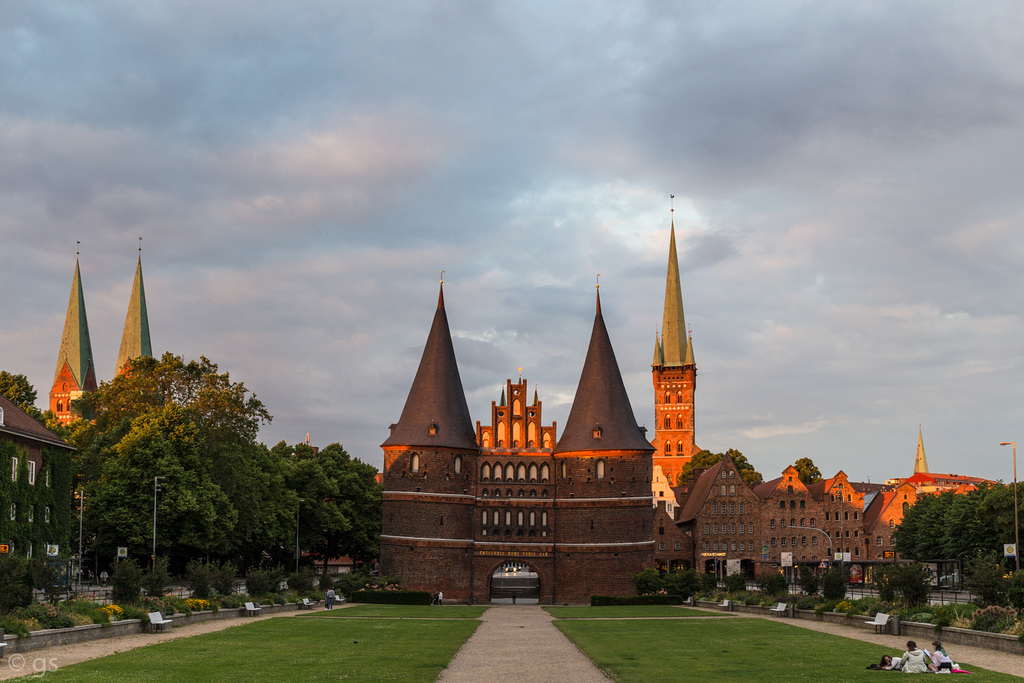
column 435, row 412
column 674, row 346
column 535, row 396
column 601, row 417
column 135, row 341
column 659, row 354
column 76, row 371
column 502, row 404
column 920, row 462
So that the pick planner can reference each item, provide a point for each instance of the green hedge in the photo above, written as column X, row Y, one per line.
column 608, row 600
column 392, row 597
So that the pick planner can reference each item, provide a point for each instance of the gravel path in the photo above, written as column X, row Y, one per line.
column 520, row 644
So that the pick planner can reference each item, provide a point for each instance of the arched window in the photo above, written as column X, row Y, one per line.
column 892, row 523
column 543, row 519
column 600, row 469
column 521, row 472
column 485, row 472
column 533, row 472
column 722, row 490
column 517, row 407
column 545, row 473
column 789, row 489
column 679, row 421
column 508, row 517
column 547, row 440
column 497, row 493
column 415, row 464
column 668, row 448
column 667, row 398
column 533, row 518
column 679, row 448
column 519, row 518
column 792, row 504
column 906, row 508
column 483, row 494
column 458, row 464
column 565, row 470
column 782, row 504
column 544, row 493
column 497, row 471
column 668, row 422
column 496, row 517
column 508, row 493
column 510, row 472
column 531, row 434
column 732, row 489
column 792, row 521
column 522, row 493
column 803, row 504
column 517, row 433
column 772, row 524
column 483, row 517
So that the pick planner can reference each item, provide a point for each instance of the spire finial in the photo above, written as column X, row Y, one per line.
column 442, row 274
column 520, row 375
column 140, row 246
column 77, row 242
column 598, row 281
column 672, row 203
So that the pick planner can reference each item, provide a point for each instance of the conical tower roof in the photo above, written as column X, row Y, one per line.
column 673, row 322
column 75, row 345
column 135, row 341
column 601, row 417
column 920, row 462
column 436, row 414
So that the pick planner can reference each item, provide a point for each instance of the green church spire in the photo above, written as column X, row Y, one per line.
column 674, row 347
column 135, row 341
column 920, row 462
column 75, row 345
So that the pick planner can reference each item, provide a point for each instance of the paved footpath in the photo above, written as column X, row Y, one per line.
column 520, row 643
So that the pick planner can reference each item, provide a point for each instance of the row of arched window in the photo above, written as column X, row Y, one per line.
column 728, row 528
column 521, row 517
column 743, row 546
column 792, row 522
column 680, row 448
column 511, row 472
column 792, row 504
column 793, row 541
column 414, row 463
column 667, row 397
column 680, row 422
column 728, row 508
column 486, row 493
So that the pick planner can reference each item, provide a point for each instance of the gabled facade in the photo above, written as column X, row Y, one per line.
column 461, row 505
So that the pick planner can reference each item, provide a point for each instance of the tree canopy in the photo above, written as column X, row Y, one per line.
column 19, row 390
column 705, row 458
column 808, row 471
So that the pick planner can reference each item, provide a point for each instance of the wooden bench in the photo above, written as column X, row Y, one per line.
column 157, row 622
column 880, row 622
column 307, row 604
column 779, row 608
column 252, row 610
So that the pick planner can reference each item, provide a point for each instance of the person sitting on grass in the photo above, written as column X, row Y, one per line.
column 885, row 665
column 914, row 661
column 940, row 658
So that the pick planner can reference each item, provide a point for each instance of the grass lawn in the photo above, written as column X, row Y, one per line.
column 291, row 649
column 719, row 649
column 627, row 612
column 406, row 611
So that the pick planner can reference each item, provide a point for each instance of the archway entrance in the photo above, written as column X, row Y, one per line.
column 515, row 582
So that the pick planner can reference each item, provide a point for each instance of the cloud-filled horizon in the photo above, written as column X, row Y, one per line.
column 847, row 208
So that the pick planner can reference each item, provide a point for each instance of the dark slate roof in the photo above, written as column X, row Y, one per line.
column 436, row 397
column 601, row 401
column 19, row 423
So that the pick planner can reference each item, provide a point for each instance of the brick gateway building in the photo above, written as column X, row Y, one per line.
column 460, row 503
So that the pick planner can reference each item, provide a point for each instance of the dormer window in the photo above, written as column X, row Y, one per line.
column 432, row 430
column 597, row 431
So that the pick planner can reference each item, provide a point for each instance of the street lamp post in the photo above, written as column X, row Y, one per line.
column 156, row 488
column 1016, row 522
column 297, row 508
column 81, row 506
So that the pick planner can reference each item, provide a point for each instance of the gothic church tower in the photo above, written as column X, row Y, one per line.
column 135, row 341
column 76, row 372
column 675, row 379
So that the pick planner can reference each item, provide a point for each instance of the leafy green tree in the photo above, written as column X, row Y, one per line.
column 156, row 580
column 198, row 578
column 907, row 583
column 682, row 582
column 127, row 582
column 833, row 584
column 734, row 583
column 985, row 577
column 15, row 583
column 19, row 390
column 771, row 583
column 808, row 471
column 810, row 582
column 648, row 581
column 704, row 459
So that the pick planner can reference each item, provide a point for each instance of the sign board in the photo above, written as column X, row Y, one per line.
column 823, row 564
column 787, row 559
column 732, row 567
column 764, row 552
column 52, row 550
column 122, row 552
column 4, row 548
column 1009, row 550
column 842, row 557
column 889, row 555
column 856, row 574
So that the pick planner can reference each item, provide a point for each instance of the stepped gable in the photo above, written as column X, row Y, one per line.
column 601, row 418
column 436, row 414
column 135, row 342
column 17, row 422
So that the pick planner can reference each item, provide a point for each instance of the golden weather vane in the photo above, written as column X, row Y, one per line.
column 672, row 203
column 442, row 277
column 598, row 281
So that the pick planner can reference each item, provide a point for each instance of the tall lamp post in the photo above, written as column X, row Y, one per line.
column 1016, row 523
column 297, row 508
column 156, row 489
column 81, row 506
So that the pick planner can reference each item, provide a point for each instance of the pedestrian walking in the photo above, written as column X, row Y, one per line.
column 330, row 598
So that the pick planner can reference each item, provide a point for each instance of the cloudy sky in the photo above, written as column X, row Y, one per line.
column 848, row 207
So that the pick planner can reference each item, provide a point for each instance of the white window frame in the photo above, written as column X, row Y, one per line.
column 32, row 472
column 14, row 468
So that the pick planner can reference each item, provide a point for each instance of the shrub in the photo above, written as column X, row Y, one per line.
column 392, row 597
column 15, row 586
column 734, row 583
column 133, row 612
column 224, row 578
column 14, row 625
column 648, row 581
column 608, row 600
column 833, row 584
column 708, row 582
column 921, row 617
column 198, row 579
column 994, row 619
column 907, row 583
column 682, row 582
column 1015, row 592
column 127, row 582
column 948, row 615
column 771, row 583
column 805, row 602
column 809, row 581
column 258, row 583
column 302, row 581
column 47, row 616
column 156, row 579
column 46, row 576
column 984, row 575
